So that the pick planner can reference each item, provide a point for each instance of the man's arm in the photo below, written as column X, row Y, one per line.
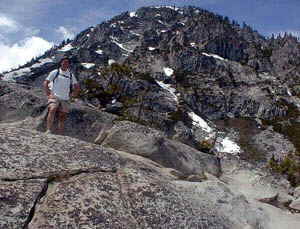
column 76, row 87
column 76, row 90
column 49, row 78
column 46, row 87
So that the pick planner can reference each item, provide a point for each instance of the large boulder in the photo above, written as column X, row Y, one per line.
column 18, row 101
column 297, row 192
column 272, row 144
column 295, row 204
column 153, row 144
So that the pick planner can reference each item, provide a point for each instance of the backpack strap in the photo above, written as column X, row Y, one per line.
column 57, row 73
column 71, row 78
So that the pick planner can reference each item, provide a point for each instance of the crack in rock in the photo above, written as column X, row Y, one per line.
column 60, row 175
column 53, row 178
column 32, row 210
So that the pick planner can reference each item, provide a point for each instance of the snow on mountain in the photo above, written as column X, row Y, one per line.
column 132, row 14
column 114, row 40
column 99, row 51
column 168, row 71
column 88, row 65
column 228, row 146
column 66, row 48
column 199, row 122
column 214, row 56
column 41, row 62
column 11, row 76
column 170, row 89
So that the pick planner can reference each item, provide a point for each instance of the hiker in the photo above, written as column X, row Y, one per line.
column 64, row 87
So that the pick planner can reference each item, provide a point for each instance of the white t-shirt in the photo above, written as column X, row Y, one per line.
column 61, row 85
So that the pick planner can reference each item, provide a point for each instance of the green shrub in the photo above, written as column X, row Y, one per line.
column 289, row 166
column 267, row 52
column 206, row 146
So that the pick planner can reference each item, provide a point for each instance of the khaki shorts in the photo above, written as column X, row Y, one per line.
column 61, row 105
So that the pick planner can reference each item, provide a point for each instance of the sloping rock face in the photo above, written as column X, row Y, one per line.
column 30, row 160
column 60, row 182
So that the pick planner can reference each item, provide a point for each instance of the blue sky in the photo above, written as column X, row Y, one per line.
column 29, row 27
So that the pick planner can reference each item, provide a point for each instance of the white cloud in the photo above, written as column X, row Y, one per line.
column 8, row 25
column 66, row 33
column 31, row 31
column 22, row 52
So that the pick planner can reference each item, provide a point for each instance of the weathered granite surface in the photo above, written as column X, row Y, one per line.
column 67, row 182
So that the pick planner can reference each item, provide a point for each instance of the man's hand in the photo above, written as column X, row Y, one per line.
column 73, row 95
column 76, row 91
column 50, row 96
column 46, row 88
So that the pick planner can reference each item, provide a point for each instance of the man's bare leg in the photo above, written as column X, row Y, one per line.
column 62, row 116
column 50, row 118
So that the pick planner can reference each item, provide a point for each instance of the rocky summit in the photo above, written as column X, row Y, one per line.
column 185, row 120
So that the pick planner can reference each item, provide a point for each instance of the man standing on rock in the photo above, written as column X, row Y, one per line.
column 64, row 87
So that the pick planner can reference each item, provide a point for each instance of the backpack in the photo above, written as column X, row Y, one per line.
column 71, row 78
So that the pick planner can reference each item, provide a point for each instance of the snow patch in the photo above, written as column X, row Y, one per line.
column 99, row 51
column 92, row 29
column 88, row 35
column 193, row 44
column 168, row 71
column 88, row 65
column 228, row 146
column 163, row 31
column 151, row 48
column 170, row 7
column 11, row 76
column 111, row 61
column 214, row 56
column 120, row 45
column 42, row 62
column 137, row 34
column 160, row 22
column 132, row 14
column 66, row 48
column 169, row 89
column 173, row 8
column 199, row 122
